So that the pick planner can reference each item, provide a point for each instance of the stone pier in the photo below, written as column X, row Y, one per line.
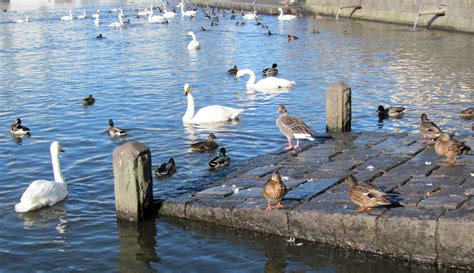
column 431, row 222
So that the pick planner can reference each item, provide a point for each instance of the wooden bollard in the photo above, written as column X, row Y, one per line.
column 133, row 184
column 338, row 108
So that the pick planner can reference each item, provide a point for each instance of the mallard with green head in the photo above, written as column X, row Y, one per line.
column 271, row 71
column 166, row 169
column 450, row 147
column 392, row 112
column 205, row 146
column 365, row 196
column 88, row 101
column 219, row 161
column 274, row 190
column 429, row 129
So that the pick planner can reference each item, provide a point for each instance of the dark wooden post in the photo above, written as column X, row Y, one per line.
column 133, row 182
column 338, row 108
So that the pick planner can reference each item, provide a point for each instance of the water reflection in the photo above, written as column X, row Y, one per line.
column 45, row 217
column 137, row 248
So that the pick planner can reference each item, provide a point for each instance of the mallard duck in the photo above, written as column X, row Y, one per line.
column 292, row 37
column 393, row 112
column 219, row 161
column 88, row 101
column 451, row 148
column 233, row 70
column 429, row 129
column 205, row 146
column 99, row 37
column 166, row 169
column 468, row 113
column 365, row 196
column 293, row 127
column 115, row 131
column 314, row 31
column 274, row 190
column 270, row 71
column 16, row 129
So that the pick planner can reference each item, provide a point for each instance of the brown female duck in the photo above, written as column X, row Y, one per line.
column 365, row 196
column 451, row 148
column 468, row 113
column 205, row 146
column 429, row 129
column 274, row 190
column 88, row 101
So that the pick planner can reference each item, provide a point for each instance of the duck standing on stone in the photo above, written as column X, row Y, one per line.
column 17, row 130
column 451, row 148
column 205, row 146
column 88, row 101
column 429, row 129
column 166, row 169
column 219, row 161
column 115, row 131
column 365, row 196
column 393, row 112
column 270, row 71
column 274, row 190
column 293, row 127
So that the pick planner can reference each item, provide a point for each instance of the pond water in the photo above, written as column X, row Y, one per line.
column 137, row 76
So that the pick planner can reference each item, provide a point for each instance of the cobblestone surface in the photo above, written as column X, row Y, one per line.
column 431, row 219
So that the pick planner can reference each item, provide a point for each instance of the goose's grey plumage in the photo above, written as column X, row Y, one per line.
column 16, row 129
column 115, row 131
column 293, row 128
column 429, row 129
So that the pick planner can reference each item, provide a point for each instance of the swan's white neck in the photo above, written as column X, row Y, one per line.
column 58, row 175
column 188, row 116
column 251, row 81
column 70, row 13
column 281, row 13
column 97, row 20
column 182, row 9
column 194, row 37
column 120, row 20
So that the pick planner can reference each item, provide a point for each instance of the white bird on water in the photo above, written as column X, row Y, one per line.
column 41, row 193
column 118, row 24
column 269, row 83
column 186, row 13
column 285, row 17
column 194, row 44
column 67, row 17
column 27, row 19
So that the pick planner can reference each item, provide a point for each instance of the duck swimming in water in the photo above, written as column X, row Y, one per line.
column 17, row 130
column 271, row 71
column 205, row 146
column 88, row 101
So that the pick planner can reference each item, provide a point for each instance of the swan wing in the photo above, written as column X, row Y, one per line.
column 216, row 113
column 41, row 193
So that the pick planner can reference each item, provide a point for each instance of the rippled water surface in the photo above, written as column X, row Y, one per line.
column 137, row 75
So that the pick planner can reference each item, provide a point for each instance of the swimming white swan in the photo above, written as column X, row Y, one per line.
column 118, row 24
column 251, row 16
column 213, row 113
column 156, row 18
column 27, row 19
column 285, row 17
column 194, row 44
column 83, row 15
column 41, row 193
column 264, row 84
column 67, row 17
column 96, row 14
column 168, row 14
column 186, row 13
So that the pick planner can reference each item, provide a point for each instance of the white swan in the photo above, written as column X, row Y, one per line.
column 186, row 13
column 264, row 84
column 96, row 14
column 42, row 193
column 251, row 16
column 285, row 17
column 145, row 12
column 27, row 19
column 156, row 18
column 83, row 15
column 194, row 44
column 168, row 14
column 121, row 12
column 213, row 113
column 118, row 24
column 97, row 20
column 67, row 17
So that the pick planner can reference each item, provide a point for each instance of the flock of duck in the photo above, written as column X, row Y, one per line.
column 42, row 193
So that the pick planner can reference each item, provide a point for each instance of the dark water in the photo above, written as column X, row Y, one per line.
column 137, row 75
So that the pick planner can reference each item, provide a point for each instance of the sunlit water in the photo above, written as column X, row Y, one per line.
column 137, row 75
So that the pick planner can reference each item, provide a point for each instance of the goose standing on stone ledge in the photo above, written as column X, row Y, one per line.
column 293, row 127
column 213, row 113
column 41, row 193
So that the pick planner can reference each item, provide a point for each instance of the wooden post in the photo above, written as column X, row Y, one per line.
column 133, row 182
column 338, row 108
